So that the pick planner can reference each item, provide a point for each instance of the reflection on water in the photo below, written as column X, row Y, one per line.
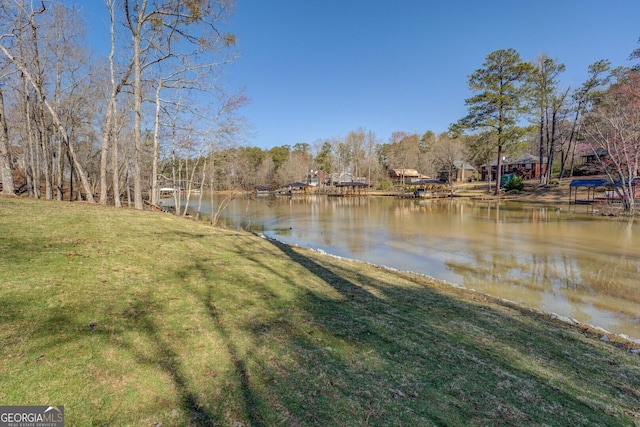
column 574, row 264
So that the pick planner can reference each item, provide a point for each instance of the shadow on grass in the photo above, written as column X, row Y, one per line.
column 138, row 316
column 59, row 330
column 442, row 360
column 202, row 269
column 250, row 400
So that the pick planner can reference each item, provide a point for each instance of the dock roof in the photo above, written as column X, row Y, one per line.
column 599, row 182
column 351, row 184
column 297, row 185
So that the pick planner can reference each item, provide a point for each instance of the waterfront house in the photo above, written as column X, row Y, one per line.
column 461, row 171
column 527, row 166
column 405, row 176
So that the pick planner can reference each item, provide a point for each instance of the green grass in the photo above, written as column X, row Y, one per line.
column 137, row 318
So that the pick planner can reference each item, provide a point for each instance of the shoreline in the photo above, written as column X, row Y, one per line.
column 621, row 341
column 596, row 331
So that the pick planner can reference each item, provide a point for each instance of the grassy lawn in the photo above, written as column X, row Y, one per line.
column 139, row 318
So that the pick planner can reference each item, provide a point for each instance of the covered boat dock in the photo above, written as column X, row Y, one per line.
column 352, row 188
column 598, row 189
column 294, row 188
column 591, row 185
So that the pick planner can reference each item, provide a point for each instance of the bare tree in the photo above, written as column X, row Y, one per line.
column 38, row 82
column 343, row 158
column 548, row 102
column 446, row 153
column 613, row 126
column 355, row 142
column 265, row 171
column 37, row 115
column 109, row 130
column 185, row 82
column 371, row 165
column 582, row 99
column 403, row 152
column 159, row 30
column 480, row 148
column 43, row 45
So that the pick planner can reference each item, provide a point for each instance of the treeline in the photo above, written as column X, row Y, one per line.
column 359, row 156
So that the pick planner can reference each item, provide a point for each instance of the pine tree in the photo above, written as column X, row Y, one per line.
column 499, row 101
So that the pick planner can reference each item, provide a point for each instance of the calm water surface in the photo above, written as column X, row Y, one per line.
column 564, row 261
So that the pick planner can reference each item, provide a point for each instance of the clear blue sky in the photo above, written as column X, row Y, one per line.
column 316, row 69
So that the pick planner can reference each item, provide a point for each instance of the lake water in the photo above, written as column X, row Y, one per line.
column 562, row 260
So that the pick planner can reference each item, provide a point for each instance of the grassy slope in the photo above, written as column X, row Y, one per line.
column 135, row 318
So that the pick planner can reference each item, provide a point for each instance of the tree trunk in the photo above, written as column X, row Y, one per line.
column 499, row 171
column 43, row 138
column 71, row 178
column 137, row 107
column 204, row 174
column 111, row 124
column 116, row 170
column 60, row 171
column 106, row 132
column 154, row 161
column 128, row 184
column 552, row 148
column 46, row 154
column 32, row 149
column 541, row 151
column 110, row 134
column 5, row 154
